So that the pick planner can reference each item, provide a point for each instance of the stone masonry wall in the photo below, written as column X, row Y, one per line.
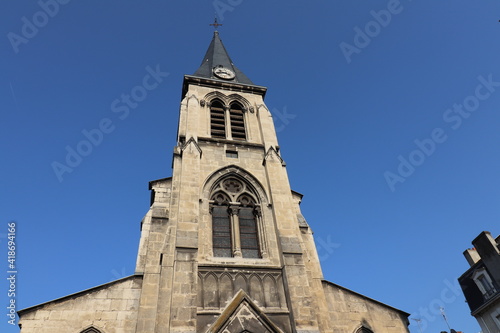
column 349, row 311
column 111, row 308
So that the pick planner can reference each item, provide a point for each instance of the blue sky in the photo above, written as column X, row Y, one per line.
column 398, row 102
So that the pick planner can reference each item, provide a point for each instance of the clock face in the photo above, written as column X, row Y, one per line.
column 223, row 73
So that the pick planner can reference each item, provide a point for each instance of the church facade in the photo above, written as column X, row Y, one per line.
column 224, row 247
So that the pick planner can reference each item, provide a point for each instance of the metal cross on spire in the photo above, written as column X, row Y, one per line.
column 216, row 24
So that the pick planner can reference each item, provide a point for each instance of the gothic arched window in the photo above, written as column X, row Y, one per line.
column 248, row 227
column 363, row 330
column 221, row 226
column 235, row 216
column 217, row 120
column 227, row 122
column 237, row 122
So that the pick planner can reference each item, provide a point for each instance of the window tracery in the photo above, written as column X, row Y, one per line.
column 235, row 218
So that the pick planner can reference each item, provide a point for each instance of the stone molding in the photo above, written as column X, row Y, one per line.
column 216, row 286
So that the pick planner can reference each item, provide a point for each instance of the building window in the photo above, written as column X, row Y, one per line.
column 248, row 228
column 235, row 220
column 489, row 290
column 227, row 122
column 237, row 122
column 231, row 154
column 484, row 283
column 221, row 226
column 496, row 317
column 217, row 120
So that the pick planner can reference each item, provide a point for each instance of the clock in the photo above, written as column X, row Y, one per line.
column 223, row 73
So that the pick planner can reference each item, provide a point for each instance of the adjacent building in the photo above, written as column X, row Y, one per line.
column 480, row 283
column 224, row 246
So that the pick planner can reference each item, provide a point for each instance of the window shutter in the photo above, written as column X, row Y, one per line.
column 237, row 122
column 217, row 120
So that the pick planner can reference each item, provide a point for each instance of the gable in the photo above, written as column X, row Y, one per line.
column 113, row 304
column 242, row 315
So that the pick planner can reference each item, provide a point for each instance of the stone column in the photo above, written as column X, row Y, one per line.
column 235, row 227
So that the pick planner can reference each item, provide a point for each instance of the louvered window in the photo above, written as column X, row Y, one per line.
column 237, row 122
column 217, row 120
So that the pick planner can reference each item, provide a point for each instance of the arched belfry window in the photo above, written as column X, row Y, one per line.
column 227, row 122
column 217, row 120
column 235, row 220
column 237, row 122
column 363, row 330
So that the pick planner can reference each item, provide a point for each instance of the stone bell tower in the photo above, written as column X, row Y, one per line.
column 224, row 247
column 225, row 237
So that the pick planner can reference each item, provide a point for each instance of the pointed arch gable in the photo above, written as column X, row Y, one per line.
column 254, row 317
column 234, row 171
column 91, row 329
column 227, row 99
column 242, row 100
column 238, row 227
column 214, row 95
column 363, row 329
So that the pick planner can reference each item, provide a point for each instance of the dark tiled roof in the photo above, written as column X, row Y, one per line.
column 217, row 56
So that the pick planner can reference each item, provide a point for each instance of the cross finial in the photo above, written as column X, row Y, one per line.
column 216, row 24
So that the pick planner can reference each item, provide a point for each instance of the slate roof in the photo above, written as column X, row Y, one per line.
column 217, row 55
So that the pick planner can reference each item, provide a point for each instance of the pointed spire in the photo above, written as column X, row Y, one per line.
column 218, row 65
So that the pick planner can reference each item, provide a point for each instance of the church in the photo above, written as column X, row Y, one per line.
column 224, row 247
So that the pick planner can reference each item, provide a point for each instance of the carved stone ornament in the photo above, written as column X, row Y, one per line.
column 202, row 102
column 257, row 211
column 234, row 210
column 220, row 199
column 232, row 185
column 245, row 201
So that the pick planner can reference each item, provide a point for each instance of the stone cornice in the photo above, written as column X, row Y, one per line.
column 212, row 83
